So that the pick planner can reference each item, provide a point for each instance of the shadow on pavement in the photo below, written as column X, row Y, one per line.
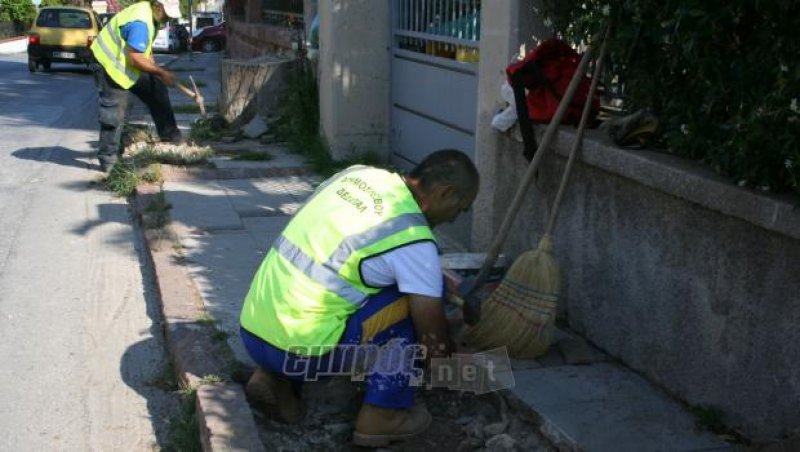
column 145, row 366
column 59, row 155
column 142, row 368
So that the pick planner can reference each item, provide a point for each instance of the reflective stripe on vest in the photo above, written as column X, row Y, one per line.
column 310, row 282
column 327, row 274
column 109, row 47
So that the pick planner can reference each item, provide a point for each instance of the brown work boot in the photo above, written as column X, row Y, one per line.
column 377, row 427
column 274, row 394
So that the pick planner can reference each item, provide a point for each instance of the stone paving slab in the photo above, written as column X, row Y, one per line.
column 222, row 265
column 604, row 407
column 201, row 205
column 265, row 230
column 254, row 197
column 288, row 162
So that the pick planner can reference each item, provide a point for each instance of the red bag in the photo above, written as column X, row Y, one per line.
column 546, row 72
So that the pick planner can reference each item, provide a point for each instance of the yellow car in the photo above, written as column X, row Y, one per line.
column 62, row 34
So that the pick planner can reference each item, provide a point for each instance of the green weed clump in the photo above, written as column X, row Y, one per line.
column 122, row 179
column 252, row 157
column 142, row 163
column 184, row 436
column 202, row 130
column 156, row 214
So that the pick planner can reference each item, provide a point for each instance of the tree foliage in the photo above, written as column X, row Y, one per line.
column 724, row 77
column 17, row 11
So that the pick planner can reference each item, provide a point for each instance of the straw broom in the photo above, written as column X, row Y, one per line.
column 520, row 313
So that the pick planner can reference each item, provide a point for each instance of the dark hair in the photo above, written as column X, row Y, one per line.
column 446, row 167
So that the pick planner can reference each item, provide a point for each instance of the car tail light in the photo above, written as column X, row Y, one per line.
column 89, row 41
column 33, row 40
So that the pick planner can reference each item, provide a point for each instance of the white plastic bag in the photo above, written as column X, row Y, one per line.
column 506, row 118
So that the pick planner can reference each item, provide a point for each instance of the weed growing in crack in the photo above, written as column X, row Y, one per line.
column 122, row 179
column 211, row 379
column 156, row 214
column 152, row 174
column 167, row 380
column 220, row 336
column 206, row 319
column 252, row 157
column 183, row 432
column 203, row 130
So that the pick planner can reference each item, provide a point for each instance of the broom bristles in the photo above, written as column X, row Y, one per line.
column 521, row 311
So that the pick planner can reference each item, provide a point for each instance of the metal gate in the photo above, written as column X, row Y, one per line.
column 434, row 77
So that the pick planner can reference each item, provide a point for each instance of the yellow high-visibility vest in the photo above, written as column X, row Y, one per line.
column 109, row 47
column 310, row 281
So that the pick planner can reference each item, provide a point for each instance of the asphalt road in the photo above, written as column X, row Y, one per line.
column 80, row 339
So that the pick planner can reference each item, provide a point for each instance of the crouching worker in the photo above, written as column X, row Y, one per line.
column 357, row 268
column 124, row 54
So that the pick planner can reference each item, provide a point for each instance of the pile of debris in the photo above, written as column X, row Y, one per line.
column 462, row 421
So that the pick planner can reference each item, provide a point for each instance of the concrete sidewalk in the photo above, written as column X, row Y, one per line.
column 225, row 219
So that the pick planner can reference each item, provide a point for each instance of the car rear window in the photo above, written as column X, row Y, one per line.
column 63, row 18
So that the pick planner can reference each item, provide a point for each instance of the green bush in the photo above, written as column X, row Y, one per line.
column 18, row 12
column 723, row 78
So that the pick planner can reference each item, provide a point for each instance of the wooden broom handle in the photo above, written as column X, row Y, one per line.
column 573, row 153
column 511, row 213
column 182, row 88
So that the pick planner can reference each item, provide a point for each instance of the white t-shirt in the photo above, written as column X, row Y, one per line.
column 415, row 268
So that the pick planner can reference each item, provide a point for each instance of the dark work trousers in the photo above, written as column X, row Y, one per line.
column 113, row 103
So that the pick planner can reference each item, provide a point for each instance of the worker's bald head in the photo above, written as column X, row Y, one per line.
column 447, row 167
column 444, row 184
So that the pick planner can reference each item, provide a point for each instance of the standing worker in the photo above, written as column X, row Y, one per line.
column 124, row 53
column 357, row 266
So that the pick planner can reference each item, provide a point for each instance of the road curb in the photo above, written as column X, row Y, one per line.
column 224, row 418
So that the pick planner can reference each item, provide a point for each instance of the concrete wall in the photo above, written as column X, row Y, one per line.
column 354, row 76
column 686, row 278
column 505, row 28
column 683, row 276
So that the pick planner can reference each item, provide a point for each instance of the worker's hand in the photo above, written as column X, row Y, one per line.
column 430, row 323
column 167, row 77
column 145, row 63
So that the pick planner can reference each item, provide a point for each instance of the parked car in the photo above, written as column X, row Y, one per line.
column 172, row 38
column 62, row 34
column 210, row 39
column 204, row 19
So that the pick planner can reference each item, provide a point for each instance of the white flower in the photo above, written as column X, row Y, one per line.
column 793, row 106
column 684, row 129
column 788, row 163
column 606, row 10
column 784, row 68
column 548, row 22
